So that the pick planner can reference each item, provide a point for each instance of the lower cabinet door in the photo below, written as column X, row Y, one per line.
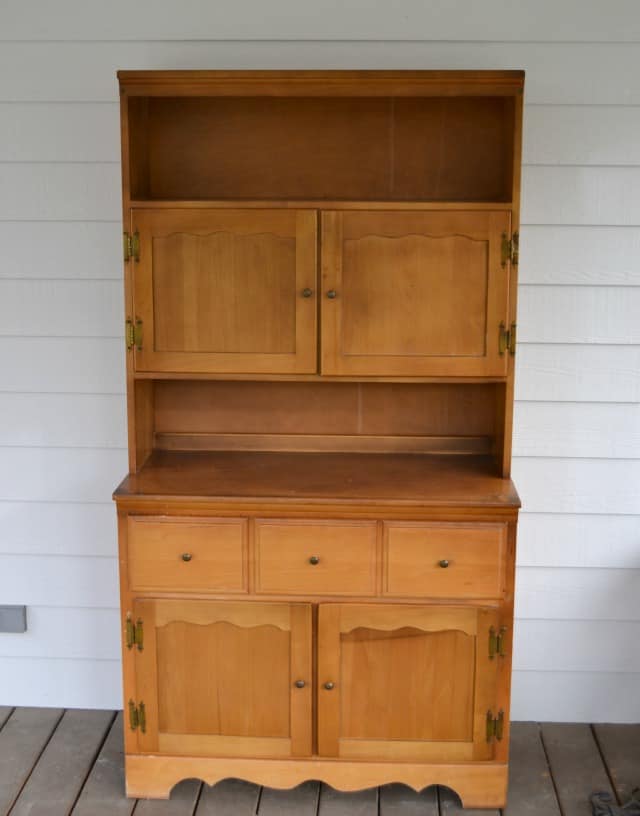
column 405, row 682
column 224, row 678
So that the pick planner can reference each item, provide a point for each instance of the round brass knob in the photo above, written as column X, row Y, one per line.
column 300, row 684
column 329, row 685
column 444, row 563
column 314, row 560
column 306, row 293
column 186, row 556
column 331, row 294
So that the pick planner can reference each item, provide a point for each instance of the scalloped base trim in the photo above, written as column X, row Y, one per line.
column 478, row 784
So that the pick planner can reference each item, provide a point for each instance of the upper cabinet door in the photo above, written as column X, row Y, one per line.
column 414, row 294
column 225, row 290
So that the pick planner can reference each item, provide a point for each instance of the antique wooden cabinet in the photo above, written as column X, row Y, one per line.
column 317, row 533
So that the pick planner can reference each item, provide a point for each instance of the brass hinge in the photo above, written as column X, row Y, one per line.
column 134, row 633
column 495, row 726
column 510, row 249
column 137, row 716
column 496, row 642
column 133, row 333
column 131, row 245
column 507, row 339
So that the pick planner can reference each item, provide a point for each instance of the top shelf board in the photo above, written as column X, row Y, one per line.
column 321, row 83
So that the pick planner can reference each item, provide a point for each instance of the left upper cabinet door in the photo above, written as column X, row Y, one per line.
column 223, row 678
column 228, row 290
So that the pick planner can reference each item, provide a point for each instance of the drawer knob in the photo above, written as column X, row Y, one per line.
column 444, row 563
column 329, row 685
column 186, row 556
column 314, row 560
column 306, row 293
column 332, row 294
column 300, row 684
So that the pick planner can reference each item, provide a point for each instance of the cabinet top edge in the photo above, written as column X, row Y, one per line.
column 300, row 82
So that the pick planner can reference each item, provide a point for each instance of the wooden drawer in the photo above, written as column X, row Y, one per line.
column 444, row 560
column 316, row 557
column 192, row 554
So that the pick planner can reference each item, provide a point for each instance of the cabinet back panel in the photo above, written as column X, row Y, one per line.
column 353, row 416
column 377, row 148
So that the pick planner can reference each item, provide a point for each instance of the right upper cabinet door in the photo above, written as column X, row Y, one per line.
column 414, row 294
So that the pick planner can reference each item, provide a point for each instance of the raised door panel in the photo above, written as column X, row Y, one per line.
column 413, row 293
column 220, row 678
column 226, row 291
column 406, row 683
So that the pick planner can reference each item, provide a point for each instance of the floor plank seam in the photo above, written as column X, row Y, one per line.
column 594, row 733
column 198, row 798
column 35, row 764
column 8, row 717
column 551, row 776
column 258, row 800
column 96, row 754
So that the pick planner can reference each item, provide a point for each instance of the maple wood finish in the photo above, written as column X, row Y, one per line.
column 317, row 533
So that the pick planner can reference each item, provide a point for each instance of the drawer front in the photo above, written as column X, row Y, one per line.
column 316, row 558
column 444, row 560
column 197, row 555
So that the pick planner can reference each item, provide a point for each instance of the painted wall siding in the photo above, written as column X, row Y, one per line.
column 577, row 430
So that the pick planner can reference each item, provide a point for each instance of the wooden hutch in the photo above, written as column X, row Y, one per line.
column 317, row 533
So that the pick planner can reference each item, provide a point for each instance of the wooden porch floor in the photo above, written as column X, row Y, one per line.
column 55, row 762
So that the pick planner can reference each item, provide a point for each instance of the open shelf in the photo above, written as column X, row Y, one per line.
column 391, row 149
column 459, row 481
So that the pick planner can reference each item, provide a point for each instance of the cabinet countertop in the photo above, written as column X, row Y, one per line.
column 413, row 479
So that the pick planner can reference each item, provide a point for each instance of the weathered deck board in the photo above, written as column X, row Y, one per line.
column 232, row 797
column 103, row 792
column 184, row 798
column 300, row 801
column 576, row 766
column 55, row 763
column 358, row 803
column 531, row 791
column 22, row 740
column 450, row 805
column 65, row 763
column 620, row 746
column 399, row 800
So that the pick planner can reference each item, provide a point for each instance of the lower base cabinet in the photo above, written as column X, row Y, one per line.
column 358, row 652
column 393, row 681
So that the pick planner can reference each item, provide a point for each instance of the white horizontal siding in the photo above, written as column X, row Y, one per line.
column 578, row 373
column 84, row 365
column 61, row 474
column 63, row 420
column 62, row 581
column 575, row 255
column 493, row 20
column 61, row 249
column 558, row 696
column 577, row 436
column 557, row 73
column 578, row 540
column 577, row 430
column 57, row 682
column 58, row 528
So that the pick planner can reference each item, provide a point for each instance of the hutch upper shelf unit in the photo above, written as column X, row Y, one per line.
column 317, row 534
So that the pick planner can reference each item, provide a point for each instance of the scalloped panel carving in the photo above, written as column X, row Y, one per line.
column 415, row 295
column 407, row 684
